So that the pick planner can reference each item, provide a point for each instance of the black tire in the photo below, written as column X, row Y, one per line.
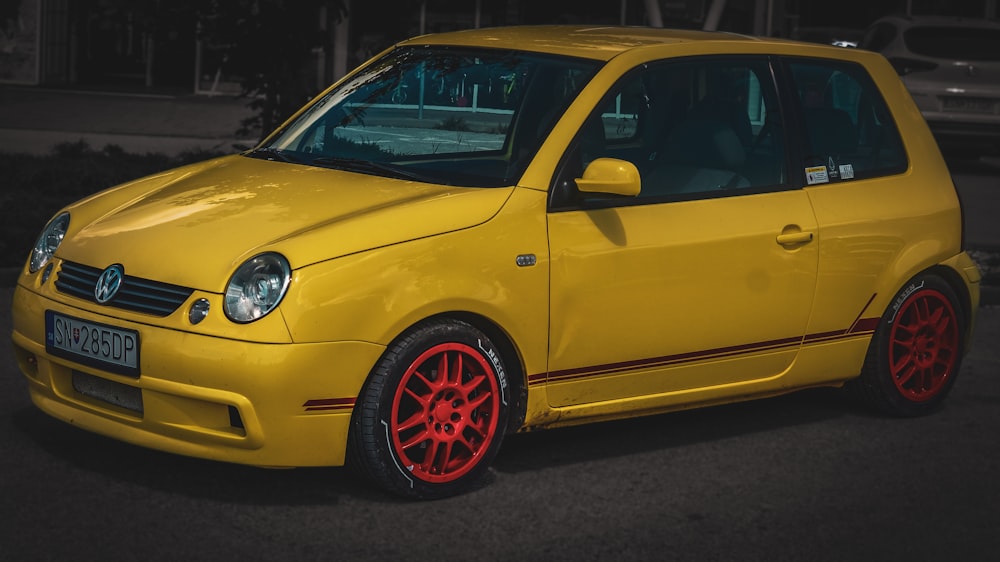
column 422, row 435
column 916, row 352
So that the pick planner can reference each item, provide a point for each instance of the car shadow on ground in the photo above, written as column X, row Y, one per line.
column 187, row 476
column 239, row 484
column 585, row 443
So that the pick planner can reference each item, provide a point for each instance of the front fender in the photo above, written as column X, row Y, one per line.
column 374, row 296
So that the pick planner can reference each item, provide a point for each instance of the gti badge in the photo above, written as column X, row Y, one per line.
column 109, row 282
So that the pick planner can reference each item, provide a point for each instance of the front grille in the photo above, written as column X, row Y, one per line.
column 136, row 294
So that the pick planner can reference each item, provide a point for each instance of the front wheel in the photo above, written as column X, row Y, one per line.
column 433, row 413
column 915, row 354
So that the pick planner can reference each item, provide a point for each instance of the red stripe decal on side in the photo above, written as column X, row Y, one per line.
column 860, row 327
column 865, row 325
column 329, row 404
column 721, row 352
column 857, row 320
column 536, row 378
column 811, row 338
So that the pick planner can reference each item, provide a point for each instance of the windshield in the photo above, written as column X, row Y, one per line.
column 458, row 117
column 960, row 43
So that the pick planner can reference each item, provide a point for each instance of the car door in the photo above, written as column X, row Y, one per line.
column 706, row 279
column 869, row 208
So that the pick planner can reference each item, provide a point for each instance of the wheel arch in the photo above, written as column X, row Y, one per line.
column 511, row 355
column 513, row 361
column 907, row 376
column 954, row 279
column 961, row 289
column 952, row 268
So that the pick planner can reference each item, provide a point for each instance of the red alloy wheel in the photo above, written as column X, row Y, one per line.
column 444, row 412
column 923, row 345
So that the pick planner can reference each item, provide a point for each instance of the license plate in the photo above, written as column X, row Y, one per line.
column 973, row 105
column 98, row 345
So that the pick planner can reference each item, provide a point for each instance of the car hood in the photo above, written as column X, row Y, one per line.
column 194, row 225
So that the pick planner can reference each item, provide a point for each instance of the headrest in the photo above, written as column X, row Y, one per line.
column 705, row 143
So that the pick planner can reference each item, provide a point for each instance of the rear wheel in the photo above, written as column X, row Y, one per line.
column 915, row 355
column 433, row 413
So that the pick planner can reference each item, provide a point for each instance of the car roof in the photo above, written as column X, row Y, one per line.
column 594, row 42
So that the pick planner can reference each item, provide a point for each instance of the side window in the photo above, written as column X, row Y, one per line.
column 723, row 137
column 847, row 130
column 694, row 128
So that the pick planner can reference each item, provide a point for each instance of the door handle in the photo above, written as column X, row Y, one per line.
column 794, row 238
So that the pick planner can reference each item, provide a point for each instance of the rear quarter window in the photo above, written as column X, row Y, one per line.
column 847, row 130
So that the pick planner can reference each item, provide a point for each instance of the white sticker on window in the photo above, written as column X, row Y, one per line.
column 817, row 174
column 846, row 171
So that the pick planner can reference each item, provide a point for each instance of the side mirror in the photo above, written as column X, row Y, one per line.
column 610, row 176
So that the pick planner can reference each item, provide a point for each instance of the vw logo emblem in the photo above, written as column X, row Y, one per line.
column 109, row 282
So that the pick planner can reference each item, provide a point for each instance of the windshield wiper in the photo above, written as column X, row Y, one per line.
column 273, row 154
column 369, row 167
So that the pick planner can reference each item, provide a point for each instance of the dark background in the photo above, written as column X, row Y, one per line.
column 159, row 44
column 802, row 477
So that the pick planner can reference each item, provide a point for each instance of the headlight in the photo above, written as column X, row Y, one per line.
column 47, row 243
column 257, row 287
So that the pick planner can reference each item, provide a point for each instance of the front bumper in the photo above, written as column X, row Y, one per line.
column 263, row 404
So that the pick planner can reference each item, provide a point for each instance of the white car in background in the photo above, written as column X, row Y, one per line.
column 951, row 66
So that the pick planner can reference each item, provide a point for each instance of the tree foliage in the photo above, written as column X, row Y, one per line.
column 269, row 44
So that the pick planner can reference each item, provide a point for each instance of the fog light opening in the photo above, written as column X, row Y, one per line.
column 234, row 418
column 31, row 362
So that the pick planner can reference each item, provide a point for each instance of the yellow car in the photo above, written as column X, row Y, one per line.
column 501, row 230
